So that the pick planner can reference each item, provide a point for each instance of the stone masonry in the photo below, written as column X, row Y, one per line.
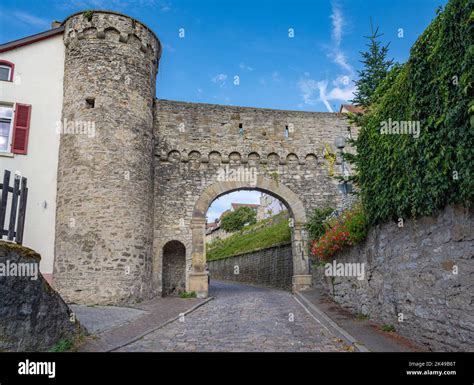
column 33, row 316
column 419, row 278
column 268, row 267
column 104, row 222
column 153, row 167
column 204, row 151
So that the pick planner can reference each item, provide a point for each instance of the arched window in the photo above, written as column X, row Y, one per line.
column 6, row 70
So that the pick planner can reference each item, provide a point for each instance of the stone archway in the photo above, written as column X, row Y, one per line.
column 197, row 281
column 174, row 268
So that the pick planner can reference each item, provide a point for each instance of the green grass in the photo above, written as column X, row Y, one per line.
column 186, row 294
column 251, row 238
column 61, row 346
column 388, row 328
column 362, row 316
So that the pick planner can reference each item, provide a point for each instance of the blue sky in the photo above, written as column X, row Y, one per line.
column 311, row 70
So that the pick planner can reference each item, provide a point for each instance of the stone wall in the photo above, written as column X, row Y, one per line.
column 33, row 317
column 201, row 144
column 410, row 272
column 268, row 267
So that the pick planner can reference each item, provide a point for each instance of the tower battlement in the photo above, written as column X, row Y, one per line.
column 114, row 27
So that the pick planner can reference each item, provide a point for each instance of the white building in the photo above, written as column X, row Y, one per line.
column 31, row 94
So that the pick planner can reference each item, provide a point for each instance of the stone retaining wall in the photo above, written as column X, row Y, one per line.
column 33, row 316
column 410, row 279
column 268, row 267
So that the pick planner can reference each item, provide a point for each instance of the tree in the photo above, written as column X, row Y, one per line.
column 237, row 219
column 376, row 67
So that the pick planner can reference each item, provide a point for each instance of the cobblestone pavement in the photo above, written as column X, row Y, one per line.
column 243, row 318
column 96, row 319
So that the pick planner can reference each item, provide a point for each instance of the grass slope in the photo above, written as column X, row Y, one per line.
column 250, row 238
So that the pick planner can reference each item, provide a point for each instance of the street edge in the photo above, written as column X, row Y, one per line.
column 327, row 322
column 134, row 339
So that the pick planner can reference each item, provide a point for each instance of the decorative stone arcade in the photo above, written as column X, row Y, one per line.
column 198, row 281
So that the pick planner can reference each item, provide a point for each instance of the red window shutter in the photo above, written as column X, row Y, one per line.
column 21, row 128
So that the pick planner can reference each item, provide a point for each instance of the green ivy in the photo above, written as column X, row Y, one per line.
column 404, row 176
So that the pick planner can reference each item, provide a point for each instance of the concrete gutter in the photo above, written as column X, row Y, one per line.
column 328, row 323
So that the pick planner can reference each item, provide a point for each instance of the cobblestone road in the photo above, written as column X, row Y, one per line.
column 242, row 318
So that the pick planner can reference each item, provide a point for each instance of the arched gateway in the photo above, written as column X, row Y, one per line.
column 198, row 277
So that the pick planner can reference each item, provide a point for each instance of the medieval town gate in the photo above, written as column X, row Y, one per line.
column 154, row 166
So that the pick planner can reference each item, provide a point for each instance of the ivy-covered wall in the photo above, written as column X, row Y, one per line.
column 405, row 174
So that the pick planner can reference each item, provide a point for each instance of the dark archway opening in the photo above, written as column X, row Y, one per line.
column 174, row 268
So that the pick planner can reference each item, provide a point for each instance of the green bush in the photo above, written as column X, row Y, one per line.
column 404, row 176
column 315, row 225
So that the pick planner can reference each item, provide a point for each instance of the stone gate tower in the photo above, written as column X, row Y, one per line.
column 104, row 224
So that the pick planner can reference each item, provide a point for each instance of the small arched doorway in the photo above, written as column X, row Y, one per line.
column 174, row 268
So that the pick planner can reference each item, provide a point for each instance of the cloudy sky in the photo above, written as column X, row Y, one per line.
column 287, row 54
column 283, row 54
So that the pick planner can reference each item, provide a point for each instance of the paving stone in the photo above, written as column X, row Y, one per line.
column 242, row 318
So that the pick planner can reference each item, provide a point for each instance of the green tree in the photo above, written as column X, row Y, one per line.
column 237, row 219
column 376, row 67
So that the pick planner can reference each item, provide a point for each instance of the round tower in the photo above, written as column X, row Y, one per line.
column 104, row 219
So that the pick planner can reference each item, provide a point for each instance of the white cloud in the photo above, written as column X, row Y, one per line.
column 340, row 58
column 169, row 47
column 337, row 23
column 342, row 94
column 245, row 67
column 219, row 79
column 337, row 32
column 275, row 76
column 223, row 203
column 32, row 20
column 316, row 91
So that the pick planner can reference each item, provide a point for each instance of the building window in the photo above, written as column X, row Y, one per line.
column 6, row 70
column 14, row 128
column 6, row 118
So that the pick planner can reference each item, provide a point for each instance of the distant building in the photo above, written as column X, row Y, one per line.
column 345, row 108
column 236, row 206
column 268, row 207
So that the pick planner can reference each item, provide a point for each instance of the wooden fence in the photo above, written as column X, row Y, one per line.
column 16, row 223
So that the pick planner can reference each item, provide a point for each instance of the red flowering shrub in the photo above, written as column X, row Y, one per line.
column 348, row 230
